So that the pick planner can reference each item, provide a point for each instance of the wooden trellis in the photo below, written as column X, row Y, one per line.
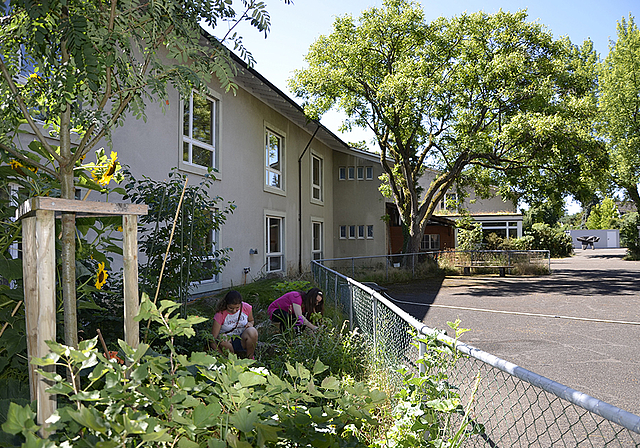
column 38, row 252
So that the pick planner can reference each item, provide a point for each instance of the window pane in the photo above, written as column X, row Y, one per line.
column 273, row 151
column 185, row 151
column 202, row 119
column 513, row 233
column 274, row 235
column 316, row 170
column 201, row 156
column 343, row 231
column 352, row 231
column 317, row 236
column 342, row 173
column 275, row 263
column 360, row 231
column 369, row 172
column 494, row 224
column 352, row 173
column 360, row 172
column 273, row 179
column 513, row 224
column 369, row 231
column 186, row 119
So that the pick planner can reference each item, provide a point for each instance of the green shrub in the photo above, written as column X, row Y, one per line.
column 194, row 401
column 544, row 237
column 629, row 235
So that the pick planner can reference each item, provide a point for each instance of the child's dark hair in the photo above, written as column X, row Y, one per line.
column 309, row 302
column 232, row 298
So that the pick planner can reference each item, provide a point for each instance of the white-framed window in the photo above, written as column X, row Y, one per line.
column 317, row 240
column 501, row 228
column 430, row 242
column 317, row 194
column 343, row 232
column 342, row 173
column 360, row 171
column 9, row 198
column 274, row 160
column 369, row 173
column 370, row 232
column 351, row 172
column 199, row 122
column 352, row 232
column 274, row 243
column 449, row 202
column 361, row 232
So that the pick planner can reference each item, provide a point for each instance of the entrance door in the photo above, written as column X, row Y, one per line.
column 611, row 239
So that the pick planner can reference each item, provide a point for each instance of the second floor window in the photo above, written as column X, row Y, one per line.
column 316, row 178
column 199, row 131
column 274, row 145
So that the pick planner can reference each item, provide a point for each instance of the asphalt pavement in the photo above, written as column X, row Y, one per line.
column 599, row 356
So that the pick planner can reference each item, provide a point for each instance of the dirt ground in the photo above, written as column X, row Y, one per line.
column 599, row 357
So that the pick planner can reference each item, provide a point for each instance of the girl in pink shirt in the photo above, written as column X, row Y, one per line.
column 295, row 308
column 233, row 328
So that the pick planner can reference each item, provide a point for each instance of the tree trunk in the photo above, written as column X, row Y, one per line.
column 68, row 240
column 634, row 195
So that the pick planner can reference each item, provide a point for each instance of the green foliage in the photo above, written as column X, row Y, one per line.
column 192, row 256
column 490, row 97
column 429, row 411
column 629, row 235
column 544, row 237
column 619, row 78
column 469, row 236
column 546, row 212
column 190, row 401
column 344, row 352
column 287, row 286
column 603, row 215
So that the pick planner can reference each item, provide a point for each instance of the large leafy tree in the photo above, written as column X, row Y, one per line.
column 479, row 98
column 620, row 107
column 71, row 71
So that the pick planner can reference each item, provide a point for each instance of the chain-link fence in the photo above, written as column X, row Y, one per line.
column 516, row 407
column 399, row 267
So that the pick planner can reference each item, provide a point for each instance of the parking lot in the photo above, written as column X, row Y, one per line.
column 535, row 321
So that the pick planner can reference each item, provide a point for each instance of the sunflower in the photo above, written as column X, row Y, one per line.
column 101, row 277
column 104, row 177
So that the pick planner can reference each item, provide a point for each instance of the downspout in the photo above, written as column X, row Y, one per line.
column 300, row 200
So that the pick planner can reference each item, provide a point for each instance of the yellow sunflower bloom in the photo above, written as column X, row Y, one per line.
column 101, row 277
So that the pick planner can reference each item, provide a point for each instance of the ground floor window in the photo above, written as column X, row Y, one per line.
column 430, row 242
column 503, row 229
column 316, row 240
column 274, row 243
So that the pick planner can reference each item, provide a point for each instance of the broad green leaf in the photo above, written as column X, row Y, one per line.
column 244, row 420
column 205, row 416
column 249, row 378
column 19, row 418
column 330, row 383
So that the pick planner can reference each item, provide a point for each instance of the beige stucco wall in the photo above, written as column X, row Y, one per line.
column 154, row 147
column 358, row 202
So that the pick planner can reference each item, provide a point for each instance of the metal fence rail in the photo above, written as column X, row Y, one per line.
column 517, row 407
column 414, row 264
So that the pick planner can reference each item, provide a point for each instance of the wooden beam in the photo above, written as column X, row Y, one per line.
column 46, row 322
column 31, row 302
column 130, row 278
column 79, row 207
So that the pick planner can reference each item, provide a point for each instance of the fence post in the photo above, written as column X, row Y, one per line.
column 386, row 269
column 422, row 349
column 335, row 290
column 413, row 265
column 350, row 307
column 375, row 325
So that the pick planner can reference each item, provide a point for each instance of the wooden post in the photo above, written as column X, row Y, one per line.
column 130, row 278
column 38, row 252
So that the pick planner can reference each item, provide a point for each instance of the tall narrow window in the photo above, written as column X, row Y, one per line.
column 274, row 151
column 361, row 232
column 351, row 173
column 352, row 232
column 210, row 263
column 370, row 232
column 274, row 251
column 360, row 173
column 316, row 240
column 198, row 131
column 316, row 178
column 343, row 232
column 342, row 173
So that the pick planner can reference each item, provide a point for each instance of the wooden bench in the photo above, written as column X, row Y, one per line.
column 467, row 268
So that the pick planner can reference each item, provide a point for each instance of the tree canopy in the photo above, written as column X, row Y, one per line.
column 71, row 71
column 619, row 78
column 480, row 98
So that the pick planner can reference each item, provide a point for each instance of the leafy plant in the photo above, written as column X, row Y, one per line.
column 190, row 401
column 192, row 256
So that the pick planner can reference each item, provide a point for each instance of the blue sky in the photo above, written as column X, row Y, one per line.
column 296, row 26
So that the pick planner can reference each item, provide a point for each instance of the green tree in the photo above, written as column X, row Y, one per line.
column 604, row 215
column 71, row 71
column 463, row 95
column 619, row 104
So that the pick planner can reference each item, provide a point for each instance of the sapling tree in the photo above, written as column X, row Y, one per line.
column 72, row 71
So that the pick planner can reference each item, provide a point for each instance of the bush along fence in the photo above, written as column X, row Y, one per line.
column 415, row 265
column 509, row 405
